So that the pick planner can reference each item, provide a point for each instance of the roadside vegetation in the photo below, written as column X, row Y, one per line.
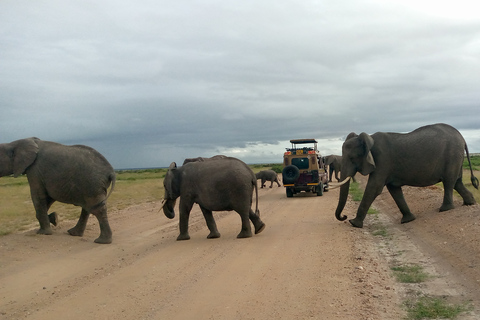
column 132, row 187
column 419, row 306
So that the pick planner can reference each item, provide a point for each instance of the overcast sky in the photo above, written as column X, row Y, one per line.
column 151, row 82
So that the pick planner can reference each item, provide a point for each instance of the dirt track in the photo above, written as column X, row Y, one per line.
column 304, row 265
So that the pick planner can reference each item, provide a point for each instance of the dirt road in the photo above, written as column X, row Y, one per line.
column 304, row 265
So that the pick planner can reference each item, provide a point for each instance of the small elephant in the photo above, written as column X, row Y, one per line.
column 201, row 159
column 223, row 184
column 268, row 175
column 334, row 163
column 77, row 175
column 421, row 158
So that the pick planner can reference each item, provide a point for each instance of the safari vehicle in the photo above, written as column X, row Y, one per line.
column 304, row 168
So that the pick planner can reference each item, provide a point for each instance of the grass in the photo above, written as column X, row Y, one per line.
column 475, row 160
column 132, row 187
column 433, row 308
column 355, row 191
column 410, row 273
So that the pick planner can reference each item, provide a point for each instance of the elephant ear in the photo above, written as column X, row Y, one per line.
column 351, row 135
column 171, row 182
column 368, row 165
column 24, row 153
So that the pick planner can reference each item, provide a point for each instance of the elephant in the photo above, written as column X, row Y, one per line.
column 223, row 184
column 268, row 175
column 201, row 159
column 77, row 175
column 421, row 158
column 334, row 163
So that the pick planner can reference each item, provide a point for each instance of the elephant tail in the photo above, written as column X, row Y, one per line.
column 256, row 197
column 111, row 179
column 472, row 177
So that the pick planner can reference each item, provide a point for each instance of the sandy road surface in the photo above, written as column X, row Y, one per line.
column 304, row 265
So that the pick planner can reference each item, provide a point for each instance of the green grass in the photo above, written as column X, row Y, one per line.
column 410, row 274
column 475, row 160
column 277, row 167
column 355, row 191
column 434, row 308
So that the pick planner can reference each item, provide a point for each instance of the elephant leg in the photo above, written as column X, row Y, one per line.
column 81, row 224
column 185, row 208
column 447, row 196
column 246, row 231
column 278, row 183
column 105, row 231
column 257, row 222
column 372, row 190
column 42, row 204
column 467, row 196
column 271, row 183
column 336, row 175
column 397, row 195
column 211, row 224
column 263, row 182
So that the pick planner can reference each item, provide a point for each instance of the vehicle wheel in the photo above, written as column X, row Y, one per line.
column 290, row 174
column 325, row 187
column 289, row 193
column 320, row 189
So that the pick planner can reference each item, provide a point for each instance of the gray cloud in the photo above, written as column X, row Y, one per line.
column 151, row 82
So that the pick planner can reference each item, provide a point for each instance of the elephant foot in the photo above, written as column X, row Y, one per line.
column 103, row 240
column 446, row 207
column 408, row 217
column 76, row 232
column 259, row 228
column 53, row 218
column 185, row 236
column 47, row 231
column 469, row 202
column 244, row 234
column 356, row 223
column 213, row 235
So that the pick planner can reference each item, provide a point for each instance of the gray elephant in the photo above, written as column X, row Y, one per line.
column 77, row 175
column 201, row 159
column 334, row 163
column 224, row 184
column 421, row 158
column 268, row 175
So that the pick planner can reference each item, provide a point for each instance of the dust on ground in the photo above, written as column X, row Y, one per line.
column 304, row 265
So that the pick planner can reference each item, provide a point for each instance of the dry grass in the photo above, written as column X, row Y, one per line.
column 17, row 212
column 132, row 187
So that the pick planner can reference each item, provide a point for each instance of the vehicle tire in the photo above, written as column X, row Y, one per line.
column 290, row 174
column 320, row 189
column 289, row 193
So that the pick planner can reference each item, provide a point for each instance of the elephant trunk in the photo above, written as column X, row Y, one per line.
column 168, row 206
column 342, row 200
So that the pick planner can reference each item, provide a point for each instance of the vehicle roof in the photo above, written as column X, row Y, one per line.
column 300, row 141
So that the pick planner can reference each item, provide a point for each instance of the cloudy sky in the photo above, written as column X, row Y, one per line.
column 151, row 82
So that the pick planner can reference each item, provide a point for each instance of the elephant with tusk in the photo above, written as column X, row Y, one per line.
column 421, row 158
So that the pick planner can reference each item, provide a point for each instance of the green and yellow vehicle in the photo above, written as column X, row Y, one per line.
column 304, row 168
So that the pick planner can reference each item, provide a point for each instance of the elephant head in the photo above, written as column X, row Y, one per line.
column 171, row 184
column 356, row 157
column 17, row 156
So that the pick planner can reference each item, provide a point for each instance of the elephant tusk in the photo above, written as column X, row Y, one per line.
column 162, row 204
column 336, row 185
